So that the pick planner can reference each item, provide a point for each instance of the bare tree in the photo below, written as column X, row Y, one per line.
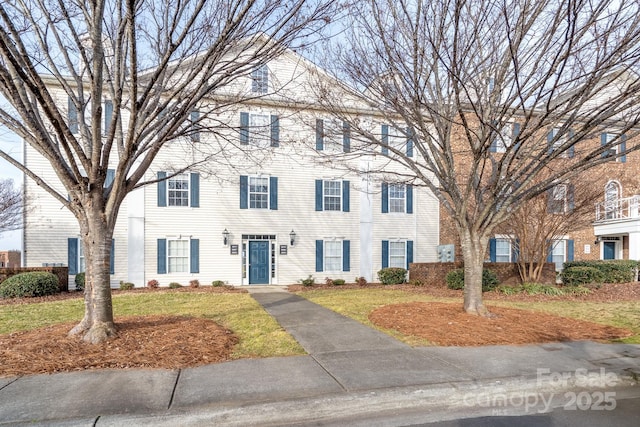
column 539, row 223
column 10, row 206
column 155, row 61
column 475, row 86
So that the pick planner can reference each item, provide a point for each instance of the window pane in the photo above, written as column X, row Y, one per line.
column 557, row 254
column 260, row 79
column 178, row 255
column 396, row 197
column 260, row 130
column 503, row 250
column 258, row 193
column 332, row 195
column 178, row 189
column 333, row 255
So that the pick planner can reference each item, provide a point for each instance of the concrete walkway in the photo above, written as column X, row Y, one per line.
column 352, row 376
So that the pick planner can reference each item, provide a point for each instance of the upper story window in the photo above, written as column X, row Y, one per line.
column 397, row 198
column 505, row 137
column 258, row 192
column 259, row 129
column 332, row 195
column 332, row 136
column 612, row 194
column 556, row 139
column 260, row 79
column 617, row 144
column 397, row 139
column 178, row 190
column 560, row 199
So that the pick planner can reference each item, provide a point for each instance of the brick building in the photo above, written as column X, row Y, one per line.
column 9, row 259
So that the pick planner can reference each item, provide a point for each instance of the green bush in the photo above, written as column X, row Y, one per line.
column 455, row 279
column 126, row 286
column 392, row 276
column 539, row 289
column 30, row 284
column 509, row 290
column 79, row 281
column 174, row 285
column 338, row 282
column 613, row 271
column 217, row 283
column 579, row 275
column 309, row 281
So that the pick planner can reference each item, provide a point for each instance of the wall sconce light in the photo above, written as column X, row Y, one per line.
column 292, row 236
column 225, row 236
column 598, row 240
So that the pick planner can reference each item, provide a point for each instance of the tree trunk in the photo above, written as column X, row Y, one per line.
column 97, row 324
column 474, row 248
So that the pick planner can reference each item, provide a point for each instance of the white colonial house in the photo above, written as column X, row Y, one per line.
column 268, row 209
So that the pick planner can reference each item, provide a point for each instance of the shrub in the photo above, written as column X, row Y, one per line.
column 80, row 281
column 153, row 284
column 361, row 281
column 217, row 283
column 126, row 286
column 509, row 290
column 195, row 283
column 392, row 276
column 338, row 282
column 174, row 285
column 579, row 275
column 309, row 281
column 455, row 279
column 613, row 271
column 30, row 284
column 539, row 289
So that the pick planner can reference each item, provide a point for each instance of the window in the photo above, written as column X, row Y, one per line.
column 178, row 188
column 333, row 136
column 259, row 129
column 555, row 141
column 332, row 195
column 108, row 114
column 507, row 134
column 76, row 259
column 194, row 126
column 72, row 116
column 397, row 198
column 561, row 251
column 260, row 79
column 396, row 139
column 612, row 193
column 81, row 263
column 178, row 255
column 333, row 255
column 397, row 254
column 258, row 192
column 616, row 144
column 560, row 199
column 503, row 250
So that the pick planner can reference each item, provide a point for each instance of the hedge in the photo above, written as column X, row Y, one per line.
column 392, row 276
column 613, row 271
column 30, row 284
column 581, row 275
column 455, row 279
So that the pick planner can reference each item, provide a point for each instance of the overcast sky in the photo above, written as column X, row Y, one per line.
column 11, row 144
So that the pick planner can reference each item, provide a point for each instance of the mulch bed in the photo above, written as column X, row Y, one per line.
column 448, row 325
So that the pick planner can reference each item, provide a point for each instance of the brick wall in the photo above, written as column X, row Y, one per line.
column 434, row 273
column 61, row 272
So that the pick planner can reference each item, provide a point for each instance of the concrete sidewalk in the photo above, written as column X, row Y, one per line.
column 352, row 375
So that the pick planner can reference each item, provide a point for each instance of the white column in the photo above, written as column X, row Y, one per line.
column 634, row 245
column 366, row 225
column 135, row 238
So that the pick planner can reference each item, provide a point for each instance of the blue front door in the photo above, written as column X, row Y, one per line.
column 259, row 263
column 609, row 250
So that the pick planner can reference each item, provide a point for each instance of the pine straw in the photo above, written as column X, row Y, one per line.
column 168, row 342
column 448, row 325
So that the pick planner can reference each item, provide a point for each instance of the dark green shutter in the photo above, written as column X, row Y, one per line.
column 385, row 197
column 409, row 190
column 162, row 256
column 570, row 250
column 195, row 190
column 108, row 114
column 244, row 128
column 346, row 255
column 111, row 174
column 194, row 256
column 319, row 255
column 318, row 194
column 346, row 137
column 345, row 196
column 72, row 255
column 492, row 250
column 409, row 252
column 72, row 116
column 385, row 139
column 244, row 192
column 385, row 253
column 603, row 142
column 572, row 150
column 410, row 137
column 275, row 131
column 515, row 250
column 273, row 193
column 550, row 142
column 623, row 148
column 162, row 189
column 319, row 134
column 195, row 126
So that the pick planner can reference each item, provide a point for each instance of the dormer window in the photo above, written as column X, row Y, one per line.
column 260, row 79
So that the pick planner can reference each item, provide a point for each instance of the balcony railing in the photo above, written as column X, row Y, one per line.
column 618, row 209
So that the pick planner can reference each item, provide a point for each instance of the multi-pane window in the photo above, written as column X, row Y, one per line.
column 178, row 256
column 397, row 197
column 260, row 129
column 332, row 195
column 558, row 253
column 556, row 141
column 611, row 203
column 81, row 262
column 333, row 255
column 178, row 190
column 557, row 203
column 503, row 250
column 397, row 254
column 260, row 79
column 258, row 192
